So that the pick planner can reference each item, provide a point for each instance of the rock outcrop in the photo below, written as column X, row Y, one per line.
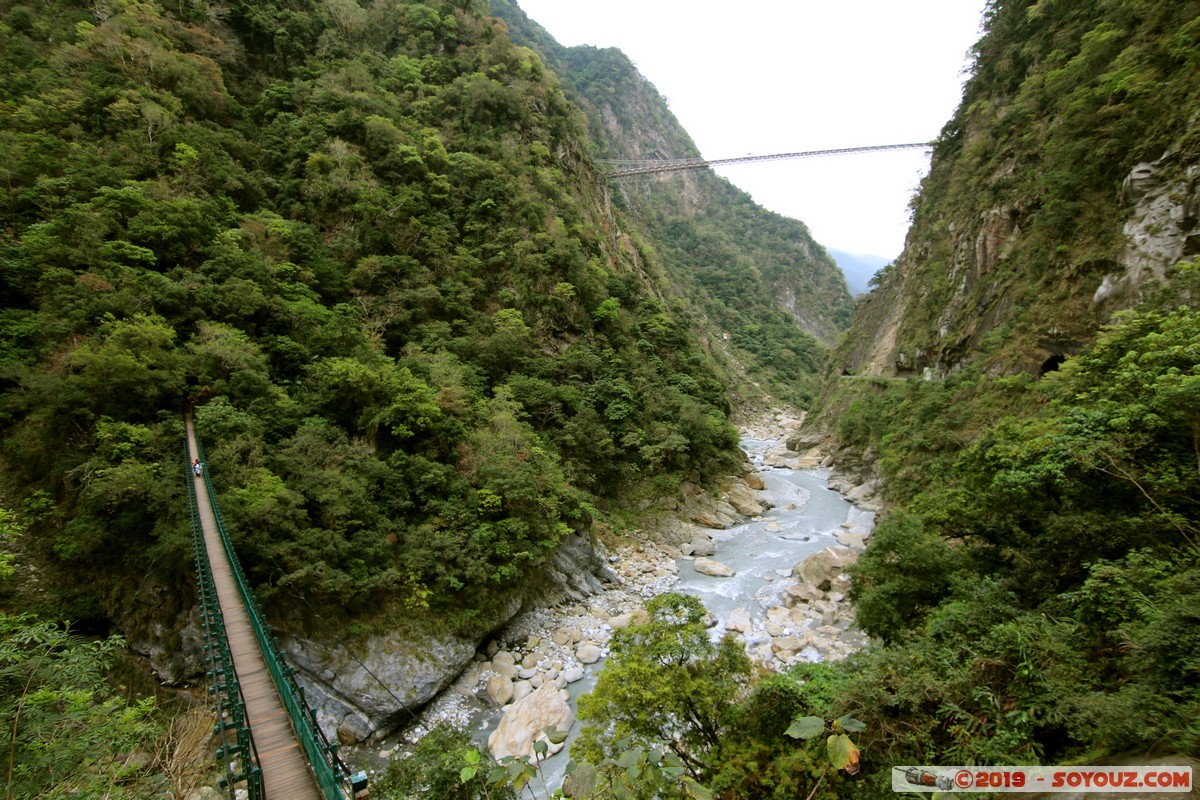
column 706, row 566
column 820, row 569
column 372, row 688
column 1162, row 230
column 525, row 721
column 375, row 685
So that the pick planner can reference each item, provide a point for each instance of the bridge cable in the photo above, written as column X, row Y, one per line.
column 674, row 165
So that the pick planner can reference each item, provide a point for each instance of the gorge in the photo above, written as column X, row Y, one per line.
column 437, row 361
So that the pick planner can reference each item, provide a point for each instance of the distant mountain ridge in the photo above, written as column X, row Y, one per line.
column 858, row 268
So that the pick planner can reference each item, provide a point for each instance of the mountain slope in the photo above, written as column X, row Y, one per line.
column 767, row 291
column 1034, row 450
column 1061, row 190
column 371, row 247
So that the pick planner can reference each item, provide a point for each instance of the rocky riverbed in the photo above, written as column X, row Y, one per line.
column 526, row 677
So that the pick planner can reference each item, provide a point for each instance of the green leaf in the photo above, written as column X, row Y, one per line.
column 629, row 758
column 842, row 753
column 467, row 773
column 851, row 725
column 555, row 736
column 471, row 756
column 696, row 790
column 806, row 728
column 581, row 782
column 540, row 747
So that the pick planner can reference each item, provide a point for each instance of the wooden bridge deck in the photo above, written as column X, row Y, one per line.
column 286, row 774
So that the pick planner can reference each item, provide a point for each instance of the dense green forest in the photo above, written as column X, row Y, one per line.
column 1033, row 595
column 757, row 279
column 1036, row 586
column 369, row 243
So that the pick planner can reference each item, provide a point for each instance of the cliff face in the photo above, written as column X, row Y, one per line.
column 1063, row 189
column 768, row 293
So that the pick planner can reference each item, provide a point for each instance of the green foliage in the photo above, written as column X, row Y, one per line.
column 69, row 732
column 368, row 244
column 1025, row 595
column 665, row 684
column 435, row 770
column 841, row 750
column 633, row 772
column 906, row 571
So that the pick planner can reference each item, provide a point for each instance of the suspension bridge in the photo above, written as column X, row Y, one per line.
column 625, row 168
column 270, row 745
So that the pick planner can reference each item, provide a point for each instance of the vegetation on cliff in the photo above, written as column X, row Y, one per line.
column 1020, row 220
column 765, row 293
column 369, row 244
column 1034, row 584
column 1037, row 588
column 69, row 729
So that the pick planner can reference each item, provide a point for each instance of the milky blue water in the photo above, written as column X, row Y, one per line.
column 804, row 519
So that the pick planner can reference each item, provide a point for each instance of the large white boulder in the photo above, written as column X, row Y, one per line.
column 739, row 620
column 824, row 566
column 706, row 566
column 524, row 721
column 500, row 689
column 587, row 653
column 742, row 498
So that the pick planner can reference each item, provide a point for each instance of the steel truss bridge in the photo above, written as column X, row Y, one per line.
column 268, row 739
column 624, row 169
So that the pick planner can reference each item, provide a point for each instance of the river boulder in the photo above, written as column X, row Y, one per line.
column 524, row 721
column 739, row 621
column 707, row 566
column 500, row 689
column 742, row 498
column 822, row 567
column 587, row 653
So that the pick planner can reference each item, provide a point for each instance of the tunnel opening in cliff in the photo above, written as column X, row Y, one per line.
column 1052, row 364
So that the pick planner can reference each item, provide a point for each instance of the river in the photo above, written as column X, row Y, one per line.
column 804, row 517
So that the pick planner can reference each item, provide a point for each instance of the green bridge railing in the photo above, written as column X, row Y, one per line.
column 237, row 749
column 332, row 774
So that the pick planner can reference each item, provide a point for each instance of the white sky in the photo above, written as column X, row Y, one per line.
column 782, row 76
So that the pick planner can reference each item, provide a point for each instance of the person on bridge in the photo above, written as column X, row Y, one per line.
column 197, row 467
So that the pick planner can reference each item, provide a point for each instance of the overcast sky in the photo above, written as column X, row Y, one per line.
column 781, row 76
